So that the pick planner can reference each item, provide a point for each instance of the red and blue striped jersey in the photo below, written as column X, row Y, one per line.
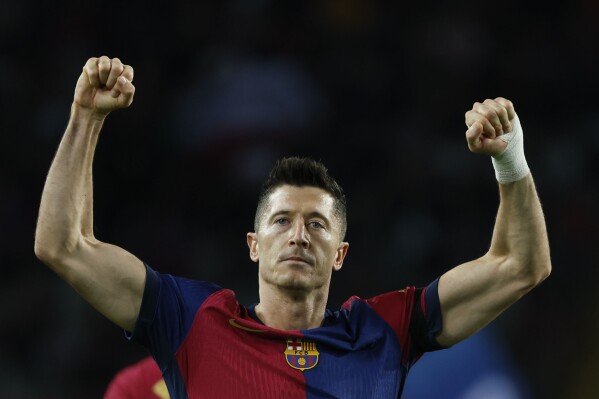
column 208, row 345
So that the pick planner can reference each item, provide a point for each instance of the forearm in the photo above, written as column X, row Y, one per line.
column 66, row 213
column 520, row 234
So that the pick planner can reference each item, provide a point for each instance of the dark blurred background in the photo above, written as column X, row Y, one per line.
column 376, row 90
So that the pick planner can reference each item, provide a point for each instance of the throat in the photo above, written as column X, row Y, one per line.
column 290, row 314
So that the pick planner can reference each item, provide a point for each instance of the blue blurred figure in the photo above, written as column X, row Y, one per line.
column 477, row 368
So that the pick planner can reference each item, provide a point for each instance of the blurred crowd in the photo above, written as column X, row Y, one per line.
column 376, row 90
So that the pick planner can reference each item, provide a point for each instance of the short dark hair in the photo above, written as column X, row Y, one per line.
column 300, row 172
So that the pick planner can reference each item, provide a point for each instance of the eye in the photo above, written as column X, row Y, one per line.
column 281, row 221
column 316, row 225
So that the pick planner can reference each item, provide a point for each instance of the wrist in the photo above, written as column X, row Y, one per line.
column 511, row 164
column 81, row 112
column 83, row 119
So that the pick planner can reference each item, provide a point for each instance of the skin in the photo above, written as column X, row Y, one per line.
column 297, row 248
column 108, row 277
column 297, row 245
column 475, row 293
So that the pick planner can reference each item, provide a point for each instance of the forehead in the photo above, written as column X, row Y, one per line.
column 301, row 199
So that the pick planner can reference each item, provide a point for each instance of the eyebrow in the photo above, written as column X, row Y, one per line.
column 285, row 212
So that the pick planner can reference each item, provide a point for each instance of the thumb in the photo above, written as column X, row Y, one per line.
column 83, row 90
column 123, row 91
column 479, row 143
column 473, row 136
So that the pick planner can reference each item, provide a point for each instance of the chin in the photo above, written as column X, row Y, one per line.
column 295, row 282
column 292, row 280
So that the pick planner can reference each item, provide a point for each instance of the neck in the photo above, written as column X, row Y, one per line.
column 291, row 310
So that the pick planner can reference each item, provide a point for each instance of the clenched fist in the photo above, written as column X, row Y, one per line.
column 104, row 85
column 487, row 123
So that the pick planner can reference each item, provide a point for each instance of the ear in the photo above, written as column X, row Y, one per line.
column 252, row 240
column 340, row 256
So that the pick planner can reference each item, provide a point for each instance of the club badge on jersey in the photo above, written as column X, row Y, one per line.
column 301, row 354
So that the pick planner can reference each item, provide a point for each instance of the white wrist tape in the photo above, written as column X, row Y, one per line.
column 511, row 164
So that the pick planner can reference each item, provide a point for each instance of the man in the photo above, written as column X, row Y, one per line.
column 289, row 345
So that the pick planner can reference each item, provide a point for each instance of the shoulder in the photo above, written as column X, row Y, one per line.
column 386, row 300
column 175, row 289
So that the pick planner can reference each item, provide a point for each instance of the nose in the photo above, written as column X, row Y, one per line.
column 299, row 236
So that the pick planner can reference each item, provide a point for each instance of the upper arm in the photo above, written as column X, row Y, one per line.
column 108, row 277
column 473, row 294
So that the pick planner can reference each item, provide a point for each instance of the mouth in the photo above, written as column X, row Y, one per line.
column 297, row 259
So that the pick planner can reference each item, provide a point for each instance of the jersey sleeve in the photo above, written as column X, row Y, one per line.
column 426, row 321
column 414, row 314
column 168, row 308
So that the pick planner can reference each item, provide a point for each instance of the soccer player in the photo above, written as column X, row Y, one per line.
column 289, row 345
column 141, row 380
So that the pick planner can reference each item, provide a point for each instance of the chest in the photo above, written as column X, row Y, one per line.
column 227, row 356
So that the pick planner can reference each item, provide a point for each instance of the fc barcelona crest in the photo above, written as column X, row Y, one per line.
column 301, row 353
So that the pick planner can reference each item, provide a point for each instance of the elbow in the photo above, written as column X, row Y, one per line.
column 47, row 253
column 543, row 271
column 52, row 251
column 541, row 266
column 529, row 273
column 537, row 272
column 56, row 256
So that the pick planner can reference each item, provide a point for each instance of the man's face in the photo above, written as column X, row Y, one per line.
column 298, row 243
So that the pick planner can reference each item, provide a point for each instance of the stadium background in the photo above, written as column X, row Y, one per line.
column 376, row 90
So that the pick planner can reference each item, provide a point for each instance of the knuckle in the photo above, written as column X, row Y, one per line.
column 104, row 62
column 504, row 101
column 128, row 72
column 486, row 123
column 487, row 112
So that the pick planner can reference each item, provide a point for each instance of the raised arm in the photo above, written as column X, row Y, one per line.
column 476, row 292
column 108, row 277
